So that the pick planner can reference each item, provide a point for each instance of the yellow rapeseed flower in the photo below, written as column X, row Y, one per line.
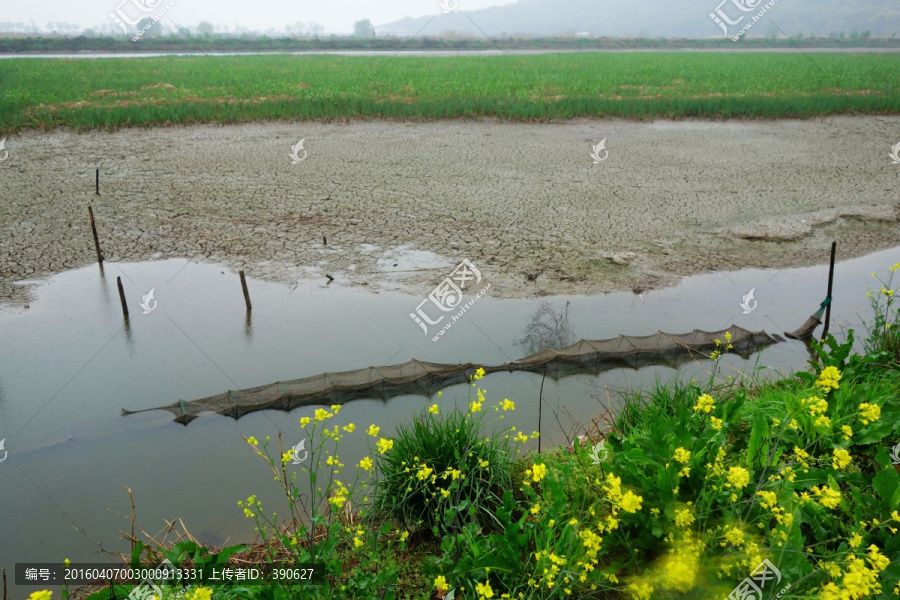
column 304, row 421
column 841, row 458
column 848, row 431
column 716, row 423
column 640, row 591
column 828, row 497
column 252, row 441
column 433, row 409
column 769, row 499
column 630, row 503
column 366, row 463
column 682, row 455
column 200, row 593
column 828, row 379
column 373, row 430
column 705, row 403
column 484, row 589
column 384, row 445
column 735, row 537
column 440, row 582
column 538, row 471
column 321, row 414
column 41, row 595
column 684, row 518
column 508, row 404
column 869, row 412
column 738, row 477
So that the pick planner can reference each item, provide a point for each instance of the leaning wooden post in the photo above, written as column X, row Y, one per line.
column 122, row 296
column 96, row 239
column 828, row 296
column 246, row 293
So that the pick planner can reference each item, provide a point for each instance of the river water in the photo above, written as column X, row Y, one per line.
column 70, row 365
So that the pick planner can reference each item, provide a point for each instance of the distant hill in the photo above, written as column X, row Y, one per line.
column 658, row 18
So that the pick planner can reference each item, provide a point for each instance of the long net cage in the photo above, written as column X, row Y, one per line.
column 418, row 377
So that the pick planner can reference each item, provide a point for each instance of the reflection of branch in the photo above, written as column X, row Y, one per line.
column 547, row 329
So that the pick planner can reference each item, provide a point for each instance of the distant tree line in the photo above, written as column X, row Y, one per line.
column 211, row 42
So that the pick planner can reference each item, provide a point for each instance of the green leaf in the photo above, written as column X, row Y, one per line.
column 758, row 444
column 875, row 433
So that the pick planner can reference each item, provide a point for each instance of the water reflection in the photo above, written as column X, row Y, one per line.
column 548, row 328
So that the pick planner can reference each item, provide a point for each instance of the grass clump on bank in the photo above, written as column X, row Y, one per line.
column 111, row 93
column 792, row 486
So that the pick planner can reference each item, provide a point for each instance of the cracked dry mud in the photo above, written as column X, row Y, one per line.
column 523, row 201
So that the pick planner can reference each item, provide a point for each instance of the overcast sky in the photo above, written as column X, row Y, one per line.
column 337, row 16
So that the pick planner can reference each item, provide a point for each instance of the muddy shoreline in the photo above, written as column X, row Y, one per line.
column 392, row 204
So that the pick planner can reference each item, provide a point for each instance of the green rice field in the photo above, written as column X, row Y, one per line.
column 43, row 93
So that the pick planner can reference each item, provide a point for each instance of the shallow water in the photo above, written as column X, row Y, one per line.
column 75, row 365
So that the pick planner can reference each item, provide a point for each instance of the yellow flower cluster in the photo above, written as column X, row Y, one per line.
column 841, row 458
column 869, row 412
column 484, row 590
column 200, row 593
column 365, row 464
column 828, row 497
column 682, row 455
column 684, row 518
column 705, row 403
column 858, row 580
column 817, row 406
column 828, row 379
column 384, row 445
column 339, row 495
column 738, row 477
column 537, row 472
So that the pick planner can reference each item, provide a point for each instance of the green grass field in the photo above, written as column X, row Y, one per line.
column 110, row 93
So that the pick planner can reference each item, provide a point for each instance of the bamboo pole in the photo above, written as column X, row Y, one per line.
column 246, row 292
column 96, row 239
column 828, row 296
column 122, row 296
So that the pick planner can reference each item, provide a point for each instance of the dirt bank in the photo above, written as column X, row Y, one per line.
column 524, row 202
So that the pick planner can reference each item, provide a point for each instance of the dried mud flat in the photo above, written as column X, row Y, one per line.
column 524, row 202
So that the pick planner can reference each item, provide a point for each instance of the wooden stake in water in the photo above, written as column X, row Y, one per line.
column 96, row 239
column 830, row 282
column 122, row 296
column 246, row 293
